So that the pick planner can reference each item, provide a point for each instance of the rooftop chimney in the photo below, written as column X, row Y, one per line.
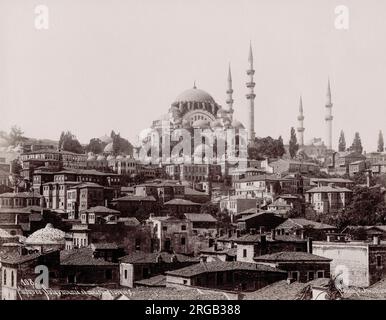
column 309, row 245
column 376, row 240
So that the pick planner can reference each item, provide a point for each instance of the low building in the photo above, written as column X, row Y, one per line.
column 283, row 166
column 264, row 221
column 236, row 204
column 48, row 238
column 172, row 234
column 19, row 199
column 232, row 276
column 142, row 265
column 356, row 263
column 304, row 228
column 301, row 266
column 17, row 269
column 356, row 167
column 253, row 245
column 202, row 224
column 131, row 204
column 328, row 199
column 81, row 267
column 181, row 206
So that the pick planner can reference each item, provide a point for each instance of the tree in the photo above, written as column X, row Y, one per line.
column 293, row 143
column 267, row 147
column 68, row 142
column 95, row 145
column 356, row 144
column 121, row 145
column 381, row 144
column 15, row 136
column 342, row 142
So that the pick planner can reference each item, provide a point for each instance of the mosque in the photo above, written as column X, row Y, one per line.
column 196, row 109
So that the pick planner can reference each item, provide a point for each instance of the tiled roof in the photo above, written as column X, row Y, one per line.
column 204, row 267
column 82, row 257
column 105, row 246
column 252, row 238
column 301, row 223
column 156, row 281
column 290, row 256
column 134, row 198
column 171, row 294
column 46, row 235
column 20, row 195
column 331, row 180
column 87, row 185
column 280, row 290
column 155, row 257
column 102, row 209
column 200, row 217
column 183, row 202
column 263, row 177
column 328, row 189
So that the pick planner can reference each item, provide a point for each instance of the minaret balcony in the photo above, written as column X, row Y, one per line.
column 301, row 118
column 329, row 118
column 300, row 129
column 250, row 84
column 250, row 96
column 229, row 91
column 229, row 101
column 250, row 72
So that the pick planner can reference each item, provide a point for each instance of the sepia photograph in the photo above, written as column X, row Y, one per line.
column 213, row 152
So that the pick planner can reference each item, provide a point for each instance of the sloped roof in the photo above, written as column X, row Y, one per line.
column 183, row 202
column 156, row 257
column 280, row 290
column 204, row 267
column 200, row 217
column 135, row 198
column 82, row 257
column 328, row 189
column 290, row 256
column 301, row 223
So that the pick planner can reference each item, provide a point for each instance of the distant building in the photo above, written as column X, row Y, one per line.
column 181, row 206
column 357, row 263
column 253, row 245
column 304, row 228
column 283, row 166
column 172, row 234
column 202, row 224
column 232, row 276
column 328, row 198
column 301, row 266
column 263, row 220
column 142, row 265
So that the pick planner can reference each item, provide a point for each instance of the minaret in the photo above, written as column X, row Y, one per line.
column 329, row 117
column 229, row 92
column 251, row 97
column 301, row 126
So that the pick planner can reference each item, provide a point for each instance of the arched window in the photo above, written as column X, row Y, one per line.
column 5, row 277
column 12, row 279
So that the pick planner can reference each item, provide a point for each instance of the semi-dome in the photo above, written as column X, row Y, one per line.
column 108, row 148
column 120, row 157
column 47, row 235
column 237, row 124
column 110, row 157
column 195, row 95
column 200, row 124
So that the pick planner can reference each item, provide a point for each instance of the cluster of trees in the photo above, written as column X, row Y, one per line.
column 367, row 207
column 356, row 145
column 69, row 142
column 266, row 148
column 14, row 137
column 120, row 145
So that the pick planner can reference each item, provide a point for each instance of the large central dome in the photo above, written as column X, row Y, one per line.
column 195, row 95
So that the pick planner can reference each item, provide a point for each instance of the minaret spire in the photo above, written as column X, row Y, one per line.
column 251, row 97
column 329, row 116
column 300, row 121
column 229, row 92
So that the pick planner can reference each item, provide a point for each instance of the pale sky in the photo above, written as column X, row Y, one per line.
column 119, row 64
